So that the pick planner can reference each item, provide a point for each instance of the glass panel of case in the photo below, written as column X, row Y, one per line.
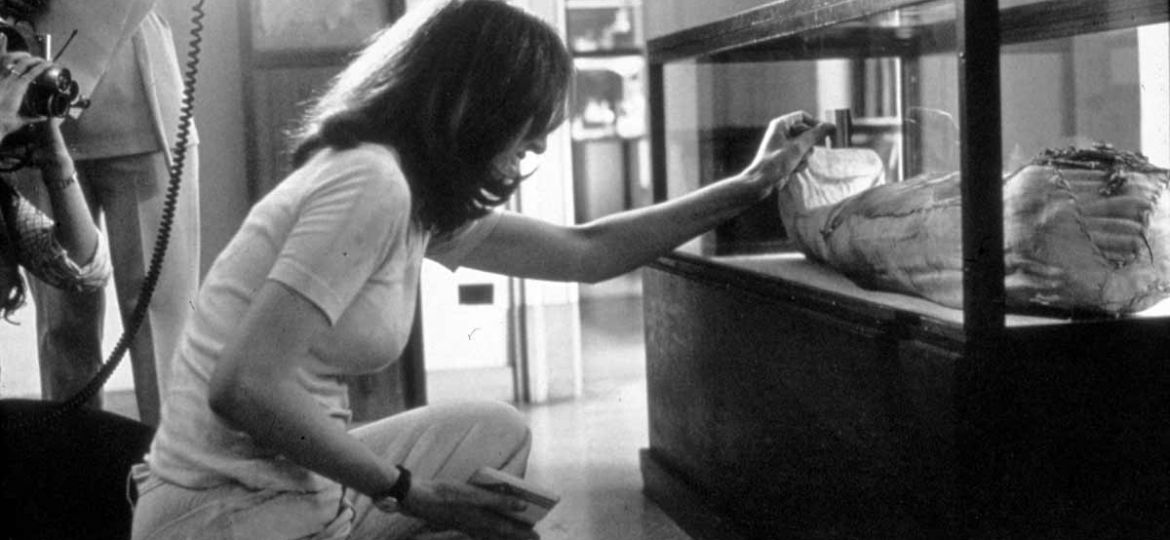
column 717, row 107
column 1073, row 73
column 1106, row 87
column 603, row 25
column 1103, row 89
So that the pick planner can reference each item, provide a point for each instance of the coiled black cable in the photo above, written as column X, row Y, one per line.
column 150, row 281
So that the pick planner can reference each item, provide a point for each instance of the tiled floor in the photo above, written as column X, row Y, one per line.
column 588, row 448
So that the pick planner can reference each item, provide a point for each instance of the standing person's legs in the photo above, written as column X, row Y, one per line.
column 174, row 297
column 132, row 192
column 69, row 340
column 445, row 441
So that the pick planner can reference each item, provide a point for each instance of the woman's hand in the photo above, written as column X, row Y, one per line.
column 785, row 145
column 50, row 154
column 469, row 509
column 17, row 70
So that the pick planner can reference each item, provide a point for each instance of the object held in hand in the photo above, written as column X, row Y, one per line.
column 540, row 501
column 53, row 92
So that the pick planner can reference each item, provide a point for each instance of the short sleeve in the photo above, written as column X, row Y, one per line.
column 94, row 274
column 34, row 237
column 452, row 250
column 344, row 230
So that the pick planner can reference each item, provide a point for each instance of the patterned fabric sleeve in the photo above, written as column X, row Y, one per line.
column 34, row 243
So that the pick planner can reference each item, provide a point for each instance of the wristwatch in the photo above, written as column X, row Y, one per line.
column 58, row 184
column 391, row 500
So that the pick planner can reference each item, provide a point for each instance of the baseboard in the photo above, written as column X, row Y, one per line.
column 492, row 383
column 682, row 503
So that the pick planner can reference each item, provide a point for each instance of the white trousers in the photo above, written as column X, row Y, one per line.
column 448, row 441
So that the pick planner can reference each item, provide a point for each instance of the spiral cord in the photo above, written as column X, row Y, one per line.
column 150, row 281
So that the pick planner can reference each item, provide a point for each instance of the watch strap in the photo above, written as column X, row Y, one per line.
column 391, row 499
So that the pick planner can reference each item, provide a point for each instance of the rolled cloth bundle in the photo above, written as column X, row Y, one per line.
column 1085, row 229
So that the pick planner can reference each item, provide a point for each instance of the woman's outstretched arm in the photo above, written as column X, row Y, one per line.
column 615, row 244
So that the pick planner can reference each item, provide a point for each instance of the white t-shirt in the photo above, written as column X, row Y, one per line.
column 338, row 231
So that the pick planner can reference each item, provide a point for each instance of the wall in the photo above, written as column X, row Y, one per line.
column 218, row 117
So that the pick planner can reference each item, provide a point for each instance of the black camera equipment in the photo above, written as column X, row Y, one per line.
column 51, row 94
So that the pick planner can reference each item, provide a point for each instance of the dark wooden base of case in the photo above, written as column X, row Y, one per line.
column 679, row 499
column 780, row 411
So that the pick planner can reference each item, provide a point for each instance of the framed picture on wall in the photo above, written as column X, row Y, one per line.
column 287, row 26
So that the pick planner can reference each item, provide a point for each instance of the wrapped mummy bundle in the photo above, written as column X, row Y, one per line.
column 1085, row 230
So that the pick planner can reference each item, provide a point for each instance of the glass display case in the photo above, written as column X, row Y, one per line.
column 604, row 26
column 609, row 97
column 608, row 109
column 791, row 396
column 1064, row 74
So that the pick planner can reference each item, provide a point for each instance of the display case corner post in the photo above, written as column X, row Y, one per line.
column 981, row 163
column 657, row 129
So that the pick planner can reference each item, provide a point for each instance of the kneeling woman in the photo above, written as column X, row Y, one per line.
column 406, row 156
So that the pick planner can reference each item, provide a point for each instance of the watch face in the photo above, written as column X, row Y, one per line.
column 387, row 504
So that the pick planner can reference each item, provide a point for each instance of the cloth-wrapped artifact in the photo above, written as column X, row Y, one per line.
column 1085, row 230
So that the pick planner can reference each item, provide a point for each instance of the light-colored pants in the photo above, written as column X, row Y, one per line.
column 448, row 441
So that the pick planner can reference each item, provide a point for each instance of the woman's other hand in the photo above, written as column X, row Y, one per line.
column 784, row 146
column 469, row 509
column 17, row 70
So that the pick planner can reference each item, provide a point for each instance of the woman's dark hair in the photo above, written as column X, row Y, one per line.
column 27, row 10
column 11, row 288
column 450, row 89
column 12, row 292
